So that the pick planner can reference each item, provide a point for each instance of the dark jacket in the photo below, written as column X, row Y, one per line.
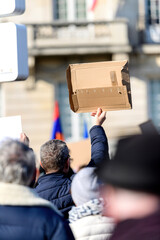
column 147, row 228
column 25, row 216
column 55, row 187
column 30, row 223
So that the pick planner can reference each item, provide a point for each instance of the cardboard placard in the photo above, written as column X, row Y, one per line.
column 99, row 84
column 80, row 153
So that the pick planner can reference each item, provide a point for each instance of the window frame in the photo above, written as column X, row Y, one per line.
column 71, row 10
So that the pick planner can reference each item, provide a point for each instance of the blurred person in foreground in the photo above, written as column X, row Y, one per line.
column 23, row 214
column 132, row 188
column 55, row 159
column 86, row 220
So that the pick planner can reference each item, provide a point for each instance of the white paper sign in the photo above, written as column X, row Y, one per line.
column 10, row 127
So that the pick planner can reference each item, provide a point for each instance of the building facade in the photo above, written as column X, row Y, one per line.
column 61, row 32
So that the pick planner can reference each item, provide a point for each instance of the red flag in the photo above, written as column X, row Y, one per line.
column 57, row 130
column 94, row 3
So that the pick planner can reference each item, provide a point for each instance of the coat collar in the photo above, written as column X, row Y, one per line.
column 19, row 195
column 56, row 175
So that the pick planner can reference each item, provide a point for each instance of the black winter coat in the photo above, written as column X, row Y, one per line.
column 55, row 187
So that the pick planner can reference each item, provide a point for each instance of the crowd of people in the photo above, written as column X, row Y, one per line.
column 116, row 199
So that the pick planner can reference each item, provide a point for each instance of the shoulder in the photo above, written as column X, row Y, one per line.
column 49, row 182
column 43, row 212
column 53, row 179
column 34, row 215
column 43, row 221
column 91, row 226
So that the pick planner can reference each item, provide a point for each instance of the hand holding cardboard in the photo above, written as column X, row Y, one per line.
column 100, row 116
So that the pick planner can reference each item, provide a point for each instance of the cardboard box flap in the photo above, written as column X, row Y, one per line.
column 85, row 75
column 109, row 98
column 93, row 85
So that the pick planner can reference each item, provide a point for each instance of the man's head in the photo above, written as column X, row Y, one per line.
column 54, row 156
column 132, row 177
column 17, row 163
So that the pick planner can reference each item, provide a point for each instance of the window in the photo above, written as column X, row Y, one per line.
column 154, row 102
column 80, row 9
column 69, row 9
column 153, row 21
column 153, row 12
column 72, row 123
column 60, row 9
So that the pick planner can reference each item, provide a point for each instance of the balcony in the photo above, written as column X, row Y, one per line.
column 67, row 38
column 149, row 35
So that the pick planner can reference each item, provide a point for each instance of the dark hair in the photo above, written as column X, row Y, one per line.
column 54, row 155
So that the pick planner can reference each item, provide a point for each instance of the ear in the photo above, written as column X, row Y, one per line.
column 33, row 181
column 41, row 163
column 66, row 167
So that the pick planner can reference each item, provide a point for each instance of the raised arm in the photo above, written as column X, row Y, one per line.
column 99, row 143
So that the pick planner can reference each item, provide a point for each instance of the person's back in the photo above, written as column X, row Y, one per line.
column 32, row 222
column 23, row 214
column 55, row 159
column 56, row 189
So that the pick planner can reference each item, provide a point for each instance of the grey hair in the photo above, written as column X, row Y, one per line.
column 54, row 155
column 17, row 162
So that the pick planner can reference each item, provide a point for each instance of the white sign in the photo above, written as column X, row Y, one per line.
column 11, row 7
column 13, row 52
column 10, row 127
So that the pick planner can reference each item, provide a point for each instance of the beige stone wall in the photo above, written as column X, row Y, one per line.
column 117, row 9
column 106, row 9
column 34, row 98
column 33, row 101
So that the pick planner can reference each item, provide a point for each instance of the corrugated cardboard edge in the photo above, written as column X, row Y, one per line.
column 96, row 64
column 126, row 81
column 72, row 99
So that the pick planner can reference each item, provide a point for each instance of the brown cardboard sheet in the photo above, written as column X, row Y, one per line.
column 80, row 153
column 99, row 84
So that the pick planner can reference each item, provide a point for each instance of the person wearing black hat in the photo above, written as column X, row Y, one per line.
column 132, row 188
